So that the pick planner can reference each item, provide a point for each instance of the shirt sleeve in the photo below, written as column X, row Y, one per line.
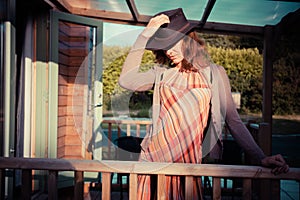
column 131, row 78
column 236, row 127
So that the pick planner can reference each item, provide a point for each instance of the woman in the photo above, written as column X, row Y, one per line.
column 191, row 102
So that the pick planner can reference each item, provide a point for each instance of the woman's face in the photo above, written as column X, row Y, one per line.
column 175, row 53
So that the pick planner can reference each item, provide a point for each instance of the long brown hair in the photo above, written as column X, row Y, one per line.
column 192, row 53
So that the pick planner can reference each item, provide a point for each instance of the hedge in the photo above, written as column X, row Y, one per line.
column 243, row 66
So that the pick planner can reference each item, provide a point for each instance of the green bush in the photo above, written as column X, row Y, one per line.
column 286, row 86
column 111, row 74
column 244, row 68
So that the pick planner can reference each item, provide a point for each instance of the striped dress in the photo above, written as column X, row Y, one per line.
column 184, row 99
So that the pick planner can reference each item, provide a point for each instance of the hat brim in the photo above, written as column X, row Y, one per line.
column 158, row 43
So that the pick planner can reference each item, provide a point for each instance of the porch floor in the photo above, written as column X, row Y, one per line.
column 289, row 190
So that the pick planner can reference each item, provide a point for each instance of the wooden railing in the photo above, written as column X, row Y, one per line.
column 129, row 123
column 132, row 127
column 106, row 168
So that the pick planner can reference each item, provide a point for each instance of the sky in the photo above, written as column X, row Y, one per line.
column 120, row 35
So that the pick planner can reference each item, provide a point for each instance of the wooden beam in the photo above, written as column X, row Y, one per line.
column 268, row 55
column 209, row 27
column 133, row 186
column 78, row 185
column 189, row 187
column 266, row 190
column 161, row 182
column 63, row 3
column 209, row 6
column 106, row 186
column 247, row 188
column 52, row 184
column 26, row 183
column 134, row 18
column 216, row 188
column 183, row 169
column 133, row 9
column 232, row 29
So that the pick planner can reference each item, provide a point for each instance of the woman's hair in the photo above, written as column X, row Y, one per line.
column 193, row 49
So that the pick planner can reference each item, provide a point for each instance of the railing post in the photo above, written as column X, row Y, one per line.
column 106, row 186
column 269, row 189
column 119, row 131
column 128, row 130
column 138, row 129
column 161, row 182
column 26, row 184
column 216, row 188
column 247, row 190
column 78, row 187
column 133, row 186
column 109, row 139
column 2, row 183
column 263, row 140
column 52, row 185
column 189, row 187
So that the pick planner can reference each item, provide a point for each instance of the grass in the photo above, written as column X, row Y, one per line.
column 282, row 125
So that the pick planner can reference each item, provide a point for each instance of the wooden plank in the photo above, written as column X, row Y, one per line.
column 26, row 183
column 240, row 171
column 72, row 30
column 133, row 186
column 161, row 182
column 106, row 186
column 62, row 100
column 63, row 59
column 247, row 189
column 63, row 89
column 52, row 185
column 216, row 188
column 209, row 27
column 133, row 9
column 189, row 187
column 262, row 138
column 268, row 55
column 78, row 187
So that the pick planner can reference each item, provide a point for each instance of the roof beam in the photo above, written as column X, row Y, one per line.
column 134, row 18
column 209, row 27
column 133, row 9
column 231, row 29
column 207, row 12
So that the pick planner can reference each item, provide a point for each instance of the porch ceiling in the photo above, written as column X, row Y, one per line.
column 233, row 16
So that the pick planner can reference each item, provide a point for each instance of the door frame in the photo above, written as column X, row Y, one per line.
column 55, row 17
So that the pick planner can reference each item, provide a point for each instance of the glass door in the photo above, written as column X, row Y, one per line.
column 75, row 87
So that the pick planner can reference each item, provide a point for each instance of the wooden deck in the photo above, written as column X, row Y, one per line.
column 52, row 167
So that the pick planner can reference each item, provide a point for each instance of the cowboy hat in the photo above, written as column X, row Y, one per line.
column 170, row 33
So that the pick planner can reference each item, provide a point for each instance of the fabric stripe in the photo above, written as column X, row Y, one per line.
column 182, row 119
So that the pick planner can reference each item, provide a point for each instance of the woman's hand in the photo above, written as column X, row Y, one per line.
column 154, row 24
column 277, row 163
